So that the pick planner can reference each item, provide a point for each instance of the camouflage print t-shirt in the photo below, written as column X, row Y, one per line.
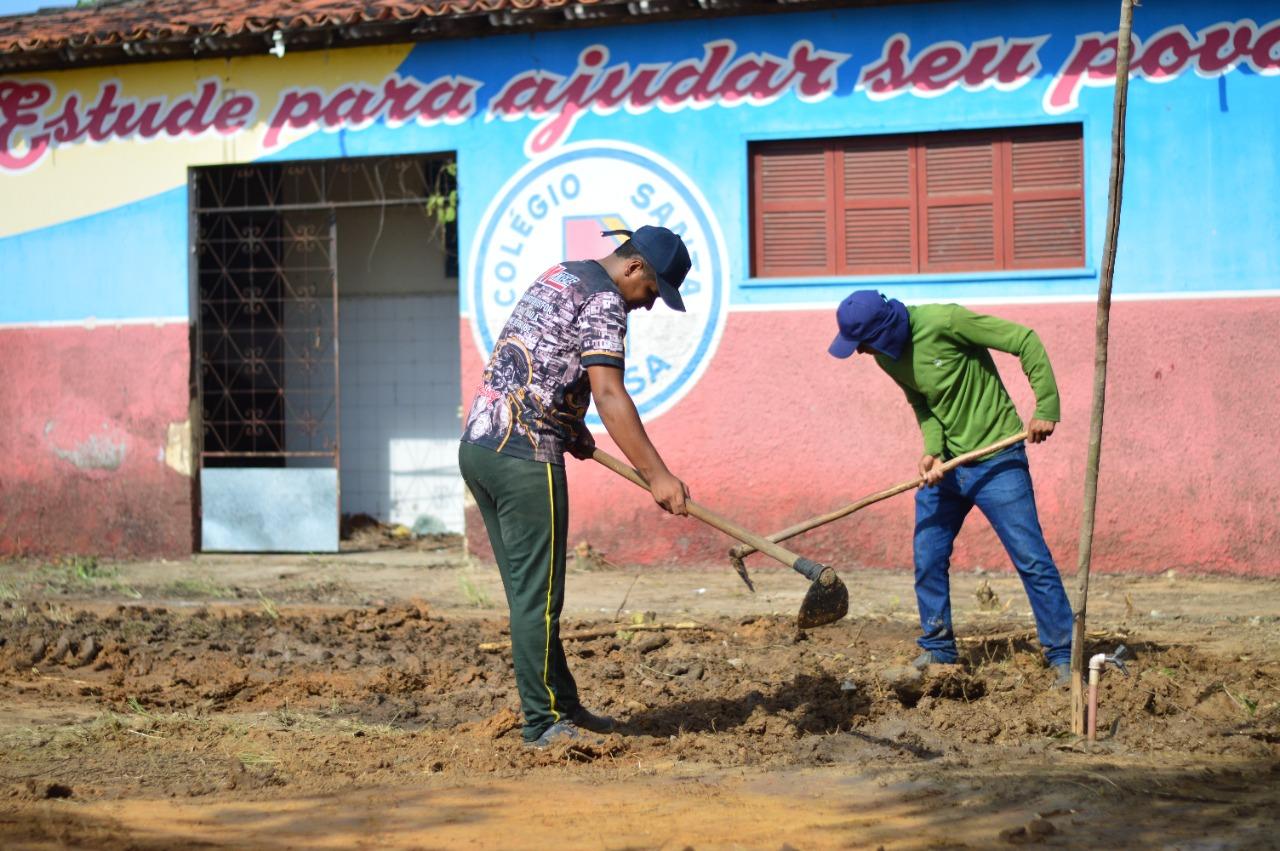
column 535, row 390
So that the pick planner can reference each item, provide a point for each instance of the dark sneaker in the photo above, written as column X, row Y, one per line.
column 930, row 657
column 588, row 720
column 561, row 731
column 1061, row 675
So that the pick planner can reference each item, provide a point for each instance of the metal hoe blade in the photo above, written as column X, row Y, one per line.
column 827, row 599
column 739, row 566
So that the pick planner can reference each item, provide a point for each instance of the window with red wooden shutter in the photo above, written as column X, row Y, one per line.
column 792, row 210
column 874, row 223
column 1045, row 208
column 959, row 208
column 920, row 203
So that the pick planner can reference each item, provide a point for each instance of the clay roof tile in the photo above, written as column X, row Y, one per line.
column 115, row 21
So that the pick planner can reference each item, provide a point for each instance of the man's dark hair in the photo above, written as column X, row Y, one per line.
column 628, row 249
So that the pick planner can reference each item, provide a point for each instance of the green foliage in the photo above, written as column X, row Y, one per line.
column 197, row 586
column 85, row 568
column 475, row 595
column 268, row 606
column 1247, row 704
column 442, row 202
column 137, row 708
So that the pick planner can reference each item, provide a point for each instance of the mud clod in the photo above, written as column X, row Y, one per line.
column 905, row 682
column 89, row 650
column 60, row 649
column 35, row 650
column 651, row 643
column 1035, row 831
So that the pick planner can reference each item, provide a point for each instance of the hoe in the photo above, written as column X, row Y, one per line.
column 827, row 599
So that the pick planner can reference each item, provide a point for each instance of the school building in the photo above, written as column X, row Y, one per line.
column 254, row 255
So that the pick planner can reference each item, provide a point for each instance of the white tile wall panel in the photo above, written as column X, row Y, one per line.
column 400, row 419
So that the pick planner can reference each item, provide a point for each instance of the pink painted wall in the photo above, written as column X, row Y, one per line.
column 86, row 418
column 777, row 431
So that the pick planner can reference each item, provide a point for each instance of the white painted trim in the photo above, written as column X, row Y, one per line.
column 1063, row 299
column 90, row 323
column 1191, row 296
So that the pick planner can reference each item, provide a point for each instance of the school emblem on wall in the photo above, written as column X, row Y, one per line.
column 554, row 209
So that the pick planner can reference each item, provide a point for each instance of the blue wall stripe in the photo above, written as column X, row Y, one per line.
column 123, row 263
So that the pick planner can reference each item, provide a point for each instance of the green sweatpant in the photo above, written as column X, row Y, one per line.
column 525, row 506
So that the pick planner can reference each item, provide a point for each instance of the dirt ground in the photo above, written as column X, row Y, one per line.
column 345, row 702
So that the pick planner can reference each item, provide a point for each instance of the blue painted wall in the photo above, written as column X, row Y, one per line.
column 124, row 263
column 1202, row 210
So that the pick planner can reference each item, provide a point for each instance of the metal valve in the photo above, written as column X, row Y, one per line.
column 1117, row 658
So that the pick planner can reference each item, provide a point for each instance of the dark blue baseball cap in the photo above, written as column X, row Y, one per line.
column 868, row 317
column 664, row 251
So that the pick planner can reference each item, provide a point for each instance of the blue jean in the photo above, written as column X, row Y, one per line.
column 1001, row 488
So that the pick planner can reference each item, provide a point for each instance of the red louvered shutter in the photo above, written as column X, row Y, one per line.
column 1045, row 198
column 959, row 204
column 793, row 210
column 875, row 226
column 929, row 202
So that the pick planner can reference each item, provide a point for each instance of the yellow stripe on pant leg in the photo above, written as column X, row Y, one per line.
column 551, row 578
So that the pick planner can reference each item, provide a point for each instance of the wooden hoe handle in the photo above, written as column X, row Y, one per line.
column 706, row 515
column 747, row 549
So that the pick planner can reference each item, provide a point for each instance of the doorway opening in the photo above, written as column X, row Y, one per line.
column 327, row 350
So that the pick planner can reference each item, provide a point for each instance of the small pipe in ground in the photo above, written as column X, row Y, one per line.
column 1096, row 663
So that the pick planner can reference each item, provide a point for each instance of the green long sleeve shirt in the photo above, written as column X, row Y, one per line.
column 952, row 383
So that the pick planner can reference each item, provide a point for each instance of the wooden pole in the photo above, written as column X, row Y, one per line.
column 1114, row 193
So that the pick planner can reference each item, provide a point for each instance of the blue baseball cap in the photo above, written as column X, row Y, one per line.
column 868, row 317
column 664, row 251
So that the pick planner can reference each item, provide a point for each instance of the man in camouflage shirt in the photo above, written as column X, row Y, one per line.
column 563, row 343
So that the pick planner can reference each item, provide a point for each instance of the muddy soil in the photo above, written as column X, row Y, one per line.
column 130, row 723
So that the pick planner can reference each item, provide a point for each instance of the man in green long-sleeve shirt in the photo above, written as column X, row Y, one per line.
column 939, row 355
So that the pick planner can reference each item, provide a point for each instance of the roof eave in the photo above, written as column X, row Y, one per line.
column 67, row 55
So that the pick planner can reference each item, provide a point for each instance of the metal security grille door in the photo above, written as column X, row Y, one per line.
column 267, row 368
column 268, row 354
